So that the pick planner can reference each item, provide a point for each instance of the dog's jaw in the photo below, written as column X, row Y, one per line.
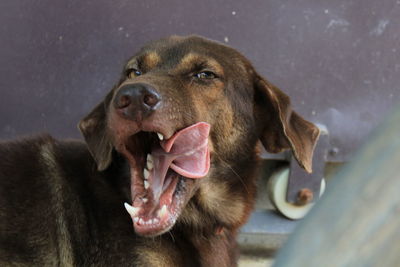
column 163, row 174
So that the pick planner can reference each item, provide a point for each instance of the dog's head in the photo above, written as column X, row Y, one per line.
column 187, row 114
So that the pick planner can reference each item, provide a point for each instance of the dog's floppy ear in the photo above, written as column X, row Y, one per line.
column 281, row 127
column 94, row 130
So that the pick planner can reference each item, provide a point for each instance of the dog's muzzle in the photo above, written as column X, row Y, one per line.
column 136, row 101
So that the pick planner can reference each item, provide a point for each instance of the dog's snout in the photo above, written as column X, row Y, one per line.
column 137, row 99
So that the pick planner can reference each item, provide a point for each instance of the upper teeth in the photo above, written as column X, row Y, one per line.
column 146, row 171
column 160, row 136
column 146, row 174
column 149, row 163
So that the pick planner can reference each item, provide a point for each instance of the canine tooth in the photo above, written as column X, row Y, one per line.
column 141, row 221
column 146, row 174
column 146, row 184
column 163, row 211
column 145, row 200
column 131, row 210
column 160, row 136
column 149, row 163
column 136, row 219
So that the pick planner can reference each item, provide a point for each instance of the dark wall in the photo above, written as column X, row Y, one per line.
column 339, row 60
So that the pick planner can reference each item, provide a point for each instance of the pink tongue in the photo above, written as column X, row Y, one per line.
column 186, row 152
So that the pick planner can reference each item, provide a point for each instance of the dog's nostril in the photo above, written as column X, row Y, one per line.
column 123, row 101
column 151, row 99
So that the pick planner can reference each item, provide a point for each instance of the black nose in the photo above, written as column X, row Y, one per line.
column 137, row 101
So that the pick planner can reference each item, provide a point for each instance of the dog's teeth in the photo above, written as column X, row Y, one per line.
column 141, row 221
column 131, row 210
column 136, row 219
column 163, row 211
column 160, row 136
column 146, row 184
column 145, row 200
column 146, row 174
column 149, row 163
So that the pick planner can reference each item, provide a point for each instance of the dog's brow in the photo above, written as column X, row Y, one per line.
column 192, row 59
column 151, row 60
column 144, row 62
column 132, row 63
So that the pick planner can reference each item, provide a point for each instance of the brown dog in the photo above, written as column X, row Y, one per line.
column 177, row 140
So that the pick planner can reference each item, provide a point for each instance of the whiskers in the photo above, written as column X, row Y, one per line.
column 172, row 236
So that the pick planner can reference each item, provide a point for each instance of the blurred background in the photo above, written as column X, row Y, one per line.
column 338, row 60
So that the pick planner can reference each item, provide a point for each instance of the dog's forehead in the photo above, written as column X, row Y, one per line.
column 175, row 50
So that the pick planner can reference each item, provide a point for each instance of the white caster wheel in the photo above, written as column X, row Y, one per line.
column 277, row 188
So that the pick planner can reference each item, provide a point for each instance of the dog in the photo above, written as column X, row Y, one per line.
column 166, row 175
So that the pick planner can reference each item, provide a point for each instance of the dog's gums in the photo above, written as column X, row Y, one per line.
column 158, row 193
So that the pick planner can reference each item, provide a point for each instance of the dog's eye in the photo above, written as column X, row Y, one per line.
column 132, row 73
column 205, row 75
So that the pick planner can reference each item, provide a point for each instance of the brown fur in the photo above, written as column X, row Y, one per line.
column 61, row 203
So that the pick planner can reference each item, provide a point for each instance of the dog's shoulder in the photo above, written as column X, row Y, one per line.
column 41, row 152
column 19, row 147
column 53, row 201
column 23, row 154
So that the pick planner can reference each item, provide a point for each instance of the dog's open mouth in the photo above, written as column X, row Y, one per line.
column 161, row 171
